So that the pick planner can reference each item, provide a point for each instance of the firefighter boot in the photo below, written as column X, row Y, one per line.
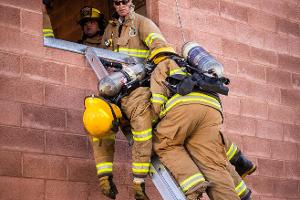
column 139, row 189
column 243, row 166
column 196, row 192
column 108, row 188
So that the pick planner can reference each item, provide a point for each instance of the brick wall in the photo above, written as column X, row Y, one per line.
column 44, row 153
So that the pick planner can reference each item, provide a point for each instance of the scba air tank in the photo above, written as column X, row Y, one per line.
column 111, row 85
column 198, row 57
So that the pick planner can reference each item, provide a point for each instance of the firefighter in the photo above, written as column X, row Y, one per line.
column 135, row 35
column 47, row 27
column 188, row 138
column 92, row 23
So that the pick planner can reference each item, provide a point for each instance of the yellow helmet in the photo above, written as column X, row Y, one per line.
column 100, row 117
column 160, row 53
column 88, row 13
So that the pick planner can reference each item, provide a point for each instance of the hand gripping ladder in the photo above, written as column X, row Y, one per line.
column 161, row 177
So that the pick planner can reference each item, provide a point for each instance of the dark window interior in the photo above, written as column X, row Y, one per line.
column 64, row 15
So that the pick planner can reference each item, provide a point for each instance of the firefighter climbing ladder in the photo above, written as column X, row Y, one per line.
column 162, row 179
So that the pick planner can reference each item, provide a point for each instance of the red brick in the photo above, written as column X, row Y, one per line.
column 66, row 190
column 230, row 65
column 249, row 3
column 74, row 122
column 278, row 8
column 67, row 57
column 262, row 20
column 291, row 133
column 283, row 150
column 222, row 27
column 240, row 125
column 20, row 139
column 121, row 151
column 170, row 17
column 254, row 109
column 122, row 173
column 32, row 22
column 24, row 91
column 235, row 50
column 290, row 97
column 279, row 78
column 34, row 4
column 286, row 188
column 10, row 17
column 260, row 92
column 82, row 170
column 32, row 45
column 81, row 78
column 275, row 42
column 236, row 139
column 44, row 166
column 67, row 145
column 233, row 11
column 293, row 169
column 296, row 81
column 37, row 69
column 10, row 64
column 231, row 105
column 43, row 118
column 10, row 113
column 261, row 185
column 10, row 163
column 251, row 71
column 294, row 47
column 21, row 189
column 282, row 114
column 10, row 39
column 271, row 168
column 64, row 97
column 289, row 63
column 288, row 27
column 95, row 193
column 248, row 35
column 209, row 42
column 263, row 56
column 257, row 147
column 153, row 193
column 191, row 16
column 294, row 13
column 210, row 6
column 269, row 130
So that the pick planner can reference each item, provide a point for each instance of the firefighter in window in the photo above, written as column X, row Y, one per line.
column 92, row 23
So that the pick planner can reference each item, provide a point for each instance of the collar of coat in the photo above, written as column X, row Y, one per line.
column 128, row 19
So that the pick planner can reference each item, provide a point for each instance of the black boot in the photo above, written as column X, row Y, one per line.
column 243, row 166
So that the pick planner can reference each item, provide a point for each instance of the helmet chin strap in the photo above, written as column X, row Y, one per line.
column 115, row 122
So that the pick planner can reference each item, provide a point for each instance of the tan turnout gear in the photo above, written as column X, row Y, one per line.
column 190, row 130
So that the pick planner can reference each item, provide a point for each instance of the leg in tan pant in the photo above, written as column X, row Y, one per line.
column 187, row 140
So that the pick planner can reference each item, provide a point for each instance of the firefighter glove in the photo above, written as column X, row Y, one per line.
column 139, row 189
column 108, row 188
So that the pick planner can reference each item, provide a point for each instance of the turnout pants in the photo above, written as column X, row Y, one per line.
column 188, row 142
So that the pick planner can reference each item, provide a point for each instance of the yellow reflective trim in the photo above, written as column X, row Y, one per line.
column 141, row 132
column 177, row 71
column 231, row 152
column 140, row 170
column 95, row 139
column 48, row 35
column 190, row 99
column 104, row 163
column 241, row 188
column 141, row 164
column 160, row 96
column 157, row 101
column 191, row 181
column 142, row 139
column 134, row 50
column 101, row 171
column 149, row 39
